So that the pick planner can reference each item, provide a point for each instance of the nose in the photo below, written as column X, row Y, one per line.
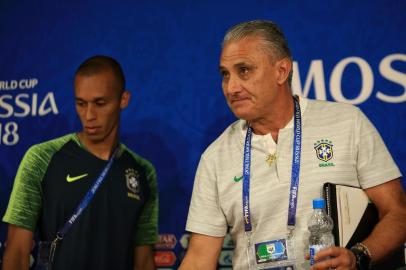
column 232, row 85
column 90, row 112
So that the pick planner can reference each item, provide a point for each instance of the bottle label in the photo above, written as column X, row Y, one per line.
column 313, row 250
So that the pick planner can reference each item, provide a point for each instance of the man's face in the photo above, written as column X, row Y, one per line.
column 249, row 78
column 99, row 102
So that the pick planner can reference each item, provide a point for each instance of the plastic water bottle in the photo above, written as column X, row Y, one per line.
column 320, row 226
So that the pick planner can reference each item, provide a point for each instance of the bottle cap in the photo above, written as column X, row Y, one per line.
column 318, row 203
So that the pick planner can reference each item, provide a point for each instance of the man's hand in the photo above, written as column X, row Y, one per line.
column 334, row 258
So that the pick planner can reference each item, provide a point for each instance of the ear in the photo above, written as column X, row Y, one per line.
column 125, row 99
column 283, row 67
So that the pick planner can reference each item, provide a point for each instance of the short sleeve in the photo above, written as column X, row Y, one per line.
column 205, row 214
column 375, row 165
column 25, row 200
column 147, row 226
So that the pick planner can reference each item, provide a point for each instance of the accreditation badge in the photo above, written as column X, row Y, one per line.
column 277, row 254
column 46, row 252
column 43, row 258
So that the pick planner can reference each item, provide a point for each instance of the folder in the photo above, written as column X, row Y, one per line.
column 354, row 217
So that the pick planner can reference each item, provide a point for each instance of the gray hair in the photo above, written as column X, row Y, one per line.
column 274, row 41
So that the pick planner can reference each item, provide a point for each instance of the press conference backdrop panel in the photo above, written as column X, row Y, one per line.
column 347, row 51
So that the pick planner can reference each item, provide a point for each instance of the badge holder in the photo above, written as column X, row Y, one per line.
column 277, row 254
column 46, row 252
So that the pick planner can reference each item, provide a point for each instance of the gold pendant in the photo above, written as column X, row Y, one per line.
column 270, row 159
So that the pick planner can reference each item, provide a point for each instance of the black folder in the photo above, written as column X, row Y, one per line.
column 354, row 218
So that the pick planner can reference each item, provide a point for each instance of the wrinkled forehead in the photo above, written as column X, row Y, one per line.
column 253, row 44
column 244, row 50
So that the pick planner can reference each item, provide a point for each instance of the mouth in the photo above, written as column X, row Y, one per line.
column 237, row 101
column 91, row 129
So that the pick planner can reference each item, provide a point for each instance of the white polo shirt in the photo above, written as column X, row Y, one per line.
column 353, row 154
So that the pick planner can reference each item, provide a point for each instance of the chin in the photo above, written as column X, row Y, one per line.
column 242, row 114
column 95, row 138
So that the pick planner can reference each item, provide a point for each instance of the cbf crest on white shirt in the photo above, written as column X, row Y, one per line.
column 324, row 152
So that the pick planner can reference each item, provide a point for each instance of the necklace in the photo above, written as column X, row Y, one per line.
column 270, row 159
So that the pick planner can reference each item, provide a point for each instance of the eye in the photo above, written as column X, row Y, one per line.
column 100, row 103
column 80, row 103
column 243, row 70
column 224, row 74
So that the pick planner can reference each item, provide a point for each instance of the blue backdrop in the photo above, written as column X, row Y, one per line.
column 350, row 51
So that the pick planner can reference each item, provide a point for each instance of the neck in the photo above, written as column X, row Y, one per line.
column 101, row 149
column 277, row 117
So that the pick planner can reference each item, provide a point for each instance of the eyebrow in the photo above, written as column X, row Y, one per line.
column 93, row 100
column 237, row 65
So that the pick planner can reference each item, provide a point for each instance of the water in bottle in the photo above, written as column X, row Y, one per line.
column 320, row 226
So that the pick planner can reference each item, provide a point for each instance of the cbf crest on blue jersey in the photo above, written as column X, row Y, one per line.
column 324, row 152
column 133, row 183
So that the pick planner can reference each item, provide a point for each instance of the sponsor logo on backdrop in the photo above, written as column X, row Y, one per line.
column 184, row 240
column 18, row 99
column 166, row 241
column 226, row 258
column 164, row 258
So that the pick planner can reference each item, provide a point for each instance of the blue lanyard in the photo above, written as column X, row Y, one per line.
column 294, row 182
column 86, row 200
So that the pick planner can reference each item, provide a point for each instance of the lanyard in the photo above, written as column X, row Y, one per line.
column 86, row 200
column 294, row 182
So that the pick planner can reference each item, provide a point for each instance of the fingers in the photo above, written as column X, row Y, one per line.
column 334, row 258
column 333, row 263
column 328, row 252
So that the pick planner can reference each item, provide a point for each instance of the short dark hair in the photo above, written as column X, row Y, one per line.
column 99, row 63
